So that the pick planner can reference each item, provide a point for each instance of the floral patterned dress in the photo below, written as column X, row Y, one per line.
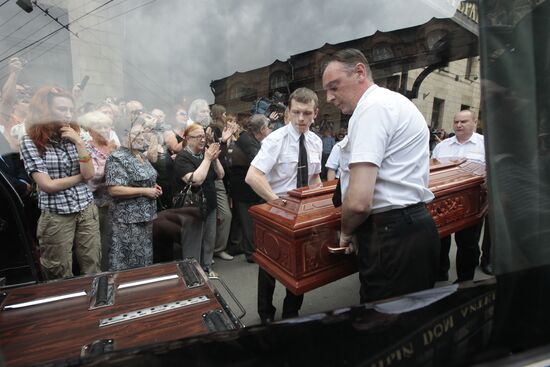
column 132, row 225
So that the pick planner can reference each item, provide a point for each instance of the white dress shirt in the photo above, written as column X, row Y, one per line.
column 278, row 157
column 473, row 149
column 338, row 161
column 387, row 130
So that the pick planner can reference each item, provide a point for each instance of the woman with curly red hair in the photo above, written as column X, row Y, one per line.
column 58, row 160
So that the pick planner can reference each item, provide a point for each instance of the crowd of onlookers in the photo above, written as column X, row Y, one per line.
column 101, row 176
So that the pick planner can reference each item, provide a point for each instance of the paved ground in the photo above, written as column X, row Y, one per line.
column 242, row 279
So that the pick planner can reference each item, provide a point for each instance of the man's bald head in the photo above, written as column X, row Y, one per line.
column 464, row 125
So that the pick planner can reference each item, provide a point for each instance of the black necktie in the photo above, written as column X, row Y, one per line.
column 302, row 164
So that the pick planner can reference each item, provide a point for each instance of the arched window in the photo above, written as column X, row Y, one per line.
column 278, row 79
column 238, row 91
column 434, row 37
column 382, row 52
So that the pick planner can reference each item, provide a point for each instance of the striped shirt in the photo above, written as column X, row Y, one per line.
column 59, row 160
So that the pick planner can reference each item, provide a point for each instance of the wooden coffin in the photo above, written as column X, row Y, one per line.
column 460, row 194
column 292, row 234
column 159, row 303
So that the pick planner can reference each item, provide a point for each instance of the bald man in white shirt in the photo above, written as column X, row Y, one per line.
column 470, row 145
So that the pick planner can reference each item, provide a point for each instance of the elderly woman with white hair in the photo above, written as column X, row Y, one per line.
column 98, row 126
column 131, row 181
column 199, row 113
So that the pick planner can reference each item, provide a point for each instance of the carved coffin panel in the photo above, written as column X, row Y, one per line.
column 292, row 234
column 274, row 245
column 460, row 198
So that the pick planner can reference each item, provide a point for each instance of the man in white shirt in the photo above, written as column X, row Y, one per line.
column 465, row 144
column 277, row 168
column 337, row 166
column 384, row 205
column 336, row 162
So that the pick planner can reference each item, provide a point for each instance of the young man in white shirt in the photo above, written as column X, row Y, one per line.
column 384, row 205
column 275, row 171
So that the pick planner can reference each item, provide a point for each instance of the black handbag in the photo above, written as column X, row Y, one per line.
column 189, row 198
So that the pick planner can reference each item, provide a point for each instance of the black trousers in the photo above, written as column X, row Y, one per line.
column 467, row 252
column 266, row 287
column 324, row 158
column 398, row 253
column 246, row 226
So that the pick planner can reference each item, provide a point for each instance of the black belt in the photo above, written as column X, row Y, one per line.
column 397, row 214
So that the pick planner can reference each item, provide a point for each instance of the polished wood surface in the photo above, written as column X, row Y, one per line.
column 292, row 234
column 460, row 195
column 59, row 330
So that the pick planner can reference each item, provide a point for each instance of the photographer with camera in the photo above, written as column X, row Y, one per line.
column 435, row 138
column 274, row 109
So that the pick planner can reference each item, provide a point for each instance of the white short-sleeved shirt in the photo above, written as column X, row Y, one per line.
column 333, row 160
column 473, row 149
column 338, row 160
column 387, row 130
column 278, row 157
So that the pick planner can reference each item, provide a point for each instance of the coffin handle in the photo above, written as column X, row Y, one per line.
column 337, row 250
column 97, row 348
column 239, row 305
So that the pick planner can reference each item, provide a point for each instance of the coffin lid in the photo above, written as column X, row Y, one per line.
column 307, row 206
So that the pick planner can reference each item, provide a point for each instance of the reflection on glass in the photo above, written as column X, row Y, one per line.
column 159, row 57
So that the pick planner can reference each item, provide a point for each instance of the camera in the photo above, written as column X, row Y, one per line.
column 265, row 106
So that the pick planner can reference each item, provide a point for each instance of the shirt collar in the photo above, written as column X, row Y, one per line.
column 369, row 90
column 293, row 132
column 344, row 141
column 472, row 139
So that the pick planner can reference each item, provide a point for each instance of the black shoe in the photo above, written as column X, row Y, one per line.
column 487, row 269
column 250, row 260
column 234, row 251
column 266, row 320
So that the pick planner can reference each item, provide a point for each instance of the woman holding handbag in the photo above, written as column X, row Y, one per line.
column 199, row 166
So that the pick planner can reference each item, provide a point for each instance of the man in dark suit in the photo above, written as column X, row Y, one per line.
column 244, row 151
